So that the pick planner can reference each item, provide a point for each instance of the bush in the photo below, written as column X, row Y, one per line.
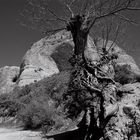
column 7, row 106
column 37, row 114
column 38, row 104
column 123, row 74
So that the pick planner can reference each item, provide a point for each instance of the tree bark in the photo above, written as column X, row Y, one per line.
column 79, row 34
column 80, row 41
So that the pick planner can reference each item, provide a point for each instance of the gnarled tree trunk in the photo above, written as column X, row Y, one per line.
column 79, row 35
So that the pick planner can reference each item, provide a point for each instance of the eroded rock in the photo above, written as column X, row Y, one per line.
column 45, row 58
column 126, row 124
column 8, row 78
column 51, row 55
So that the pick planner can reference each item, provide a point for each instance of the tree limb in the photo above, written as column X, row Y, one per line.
column 132, row 8
column 69, row 9
column 58, row 18
column 53, row 31
column 112, row 13
column 72, row 2
column 126, row 19
column 91, row 88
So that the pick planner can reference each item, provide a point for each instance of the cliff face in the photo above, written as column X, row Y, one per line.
column 8, row 77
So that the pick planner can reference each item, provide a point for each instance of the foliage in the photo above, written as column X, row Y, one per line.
column 37, row 113
column 123, row 74
column 37, row 105
column 62, row 55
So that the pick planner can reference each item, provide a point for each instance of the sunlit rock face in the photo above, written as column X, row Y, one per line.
column 45, row 58
column 123, row 57
column 126, row 122
column 8, row 77
column 50, row 56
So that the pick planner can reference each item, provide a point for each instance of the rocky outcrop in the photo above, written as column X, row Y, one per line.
column 50, row 56
column 45, row 58
column 126, row 123
column 123, row 57
column 8, row 77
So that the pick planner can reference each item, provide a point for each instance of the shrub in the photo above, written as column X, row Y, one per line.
column 7, row 106
column 123, row 74
column 36, row 114
column 37, row 105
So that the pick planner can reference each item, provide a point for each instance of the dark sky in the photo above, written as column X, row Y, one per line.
column 15, row 39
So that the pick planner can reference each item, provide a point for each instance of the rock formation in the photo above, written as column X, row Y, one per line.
column 8, row 77
column 45, row 58
column 50, row 56
column 126, row 123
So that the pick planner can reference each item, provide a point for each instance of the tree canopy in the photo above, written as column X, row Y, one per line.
column 102, row 18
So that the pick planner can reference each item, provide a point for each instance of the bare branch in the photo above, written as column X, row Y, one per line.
column 58, row 18
column 108, row 32
column 126, row 19
column 72, row 2
column 85, row 5
column 69, row 9
column 91, row 88
column 115, row 38
column 55, row 30
column 133, row 8
column 123, row 6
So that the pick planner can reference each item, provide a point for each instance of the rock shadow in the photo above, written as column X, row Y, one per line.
column 70, row 135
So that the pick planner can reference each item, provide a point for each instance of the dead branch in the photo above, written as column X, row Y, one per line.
column 69, row 9
column 115, row 38
column 72, row 2
column 53, row 31
column 58, row 18
column 123, row 6
column 91, row 88
column 126, row 19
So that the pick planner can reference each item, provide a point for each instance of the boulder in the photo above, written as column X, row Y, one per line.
column 8, row 77
column 126, row 123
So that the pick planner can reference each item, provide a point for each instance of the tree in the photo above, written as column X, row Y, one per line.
column 80, row 18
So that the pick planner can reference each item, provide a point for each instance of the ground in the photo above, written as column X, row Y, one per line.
column 19, row 134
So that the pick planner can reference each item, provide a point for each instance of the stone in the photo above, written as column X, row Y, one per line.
column 128, row 117
column 45, row 58
column 8, row 77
